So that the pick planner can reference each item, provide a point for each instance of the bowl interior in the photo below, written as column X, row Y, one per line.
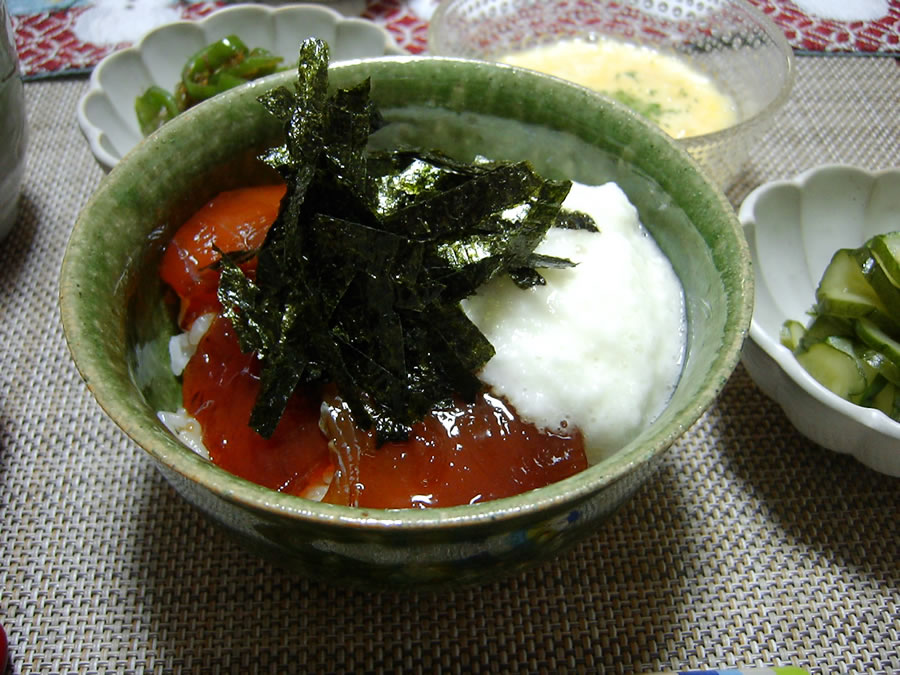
column 118, row 327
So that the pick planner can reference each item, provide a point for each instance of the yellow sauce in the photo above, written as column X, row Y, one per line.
column 663, row 88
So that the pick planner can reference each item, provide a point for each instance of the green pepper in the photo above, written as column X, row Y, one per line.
column 258, row 62
column 220, row 66
column 182, row 100
column 154, row 108
column 223, row 65
column 200, row 69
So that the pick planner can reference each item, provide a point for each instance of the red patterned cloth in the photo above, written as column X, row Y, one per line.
column 808, row 32
column 47, row 44
column 408, row 29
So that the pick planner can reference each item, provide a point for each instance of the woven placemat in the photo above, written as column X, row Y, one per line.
column 750, row 546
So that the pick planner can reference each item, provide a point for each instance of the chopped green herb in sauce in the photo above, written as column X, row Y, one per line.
column 360, row 278
column 653, row 111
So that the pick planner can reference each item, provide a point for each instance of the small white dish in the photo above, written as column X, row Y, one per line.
column 793, row 228
column 106, row 111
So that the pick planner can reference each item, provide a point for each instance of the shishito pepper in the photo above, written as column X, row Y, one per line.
column 154, row 107
column 217, row 67
column 225, row 64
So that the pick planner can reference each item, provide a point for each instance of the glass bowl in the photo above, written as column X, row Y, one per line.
column 744, row 54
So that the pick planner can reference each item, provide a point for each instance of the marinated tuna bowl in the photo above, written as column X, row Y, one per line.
column 400, row 329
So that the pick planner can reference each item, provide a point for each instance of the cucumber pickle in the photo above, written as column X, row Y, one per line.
column 852, row 343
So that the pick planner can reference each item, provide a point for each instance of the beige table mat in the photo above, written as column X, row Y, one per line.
column 750, row 547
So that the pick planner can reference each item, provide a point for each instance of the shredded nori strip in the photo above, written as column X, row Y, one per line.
column 360, row 277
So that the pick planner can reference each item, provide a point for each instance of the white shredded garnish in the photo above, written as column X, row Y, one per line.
column 181, row 348
column 183, row 345
column 317, row 490
column 186, row 429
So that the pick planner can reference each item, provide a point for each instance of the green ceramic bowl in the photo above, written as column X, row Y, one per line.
column 117, row 326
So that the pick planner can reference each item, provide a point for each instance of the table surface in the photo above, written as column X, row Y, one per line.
column 749, row 547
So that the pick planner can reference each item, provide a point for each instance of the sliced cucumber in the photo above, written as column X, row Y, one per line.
column 868, row 367
column 791, row 334
column 885, row 367
column 879, row 340
column 852, row 343
column 874, row 388
column 834, row 368
column 870, row 361
column 886, row 250
column 844, row 291
column 886, row 400
column 877, row 278
column 890, row 370
column 824, row 327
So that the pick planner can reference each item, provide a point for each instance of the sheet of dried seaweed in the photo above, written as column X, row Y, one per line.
column 360, row 277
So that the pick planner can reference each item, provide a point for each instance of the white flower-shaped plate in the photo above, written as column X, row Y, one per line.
column 793, row 228
column 106, row 111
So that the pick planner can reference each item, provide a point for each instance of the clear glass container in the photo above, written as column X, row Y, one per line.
column 12, row 125
column 740, row 49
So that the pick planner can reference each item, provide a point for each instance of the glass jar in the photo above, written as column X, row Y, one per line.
column 12, row 125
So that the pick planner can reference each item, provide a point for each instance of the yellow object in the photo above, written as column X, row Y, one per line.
column 662, row 87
